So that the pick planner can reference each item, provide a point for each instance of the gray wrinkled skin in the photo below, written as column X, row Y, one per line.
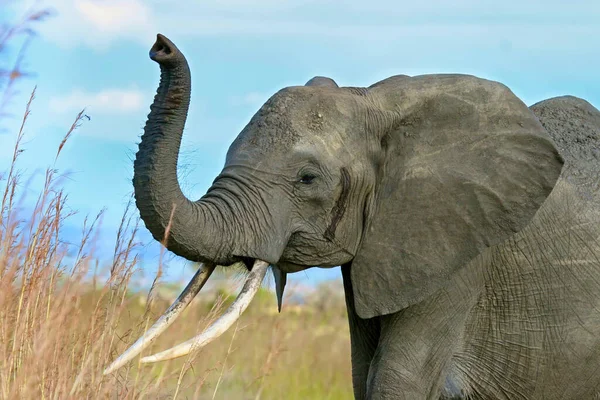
column 469, row 253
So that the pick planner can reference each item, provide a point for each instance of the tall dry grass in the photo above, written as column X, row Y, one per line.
column 65, row 313
column 61, row 323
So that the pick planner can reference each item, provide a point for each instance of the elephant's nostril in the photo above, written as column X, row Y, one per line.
column 164, row 49
column 160, row 49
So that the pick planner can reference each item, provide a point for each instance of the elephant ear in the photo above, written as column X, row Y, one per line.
column 464, row 164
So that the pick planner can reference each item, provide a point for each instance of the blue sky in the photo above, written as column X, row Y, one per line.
column 94, row 54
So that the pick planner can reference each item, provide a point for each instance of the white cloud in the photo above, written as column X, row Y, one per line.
column 95, row 23
column 109, row 101
column 100, row 23
column 111, row 16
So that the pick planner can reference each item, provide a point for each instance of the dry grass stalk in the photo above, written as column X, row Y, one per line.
column 64, row 315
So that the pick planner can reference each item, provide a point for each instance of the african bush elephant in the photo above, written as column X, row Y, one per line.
column 469, row 254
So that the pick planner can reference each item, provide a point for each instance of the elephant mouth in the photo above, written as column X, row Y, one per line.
column 218, row 327
column 289, row 267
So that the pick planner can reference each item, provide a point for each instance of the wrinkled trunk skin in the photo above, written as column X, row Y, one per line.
column 157, row 191
column 205, row 230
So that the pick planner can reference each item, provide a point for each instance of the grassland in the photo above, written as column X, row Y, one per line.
column 64, row 316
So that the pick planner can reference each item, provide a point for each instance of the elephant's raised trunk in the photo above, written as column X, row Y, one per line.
column 194, row 230
column 157, row 192
column 159, row 198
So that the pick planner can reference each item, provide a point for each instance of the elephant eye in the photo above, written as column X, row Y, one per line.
column 307, row 179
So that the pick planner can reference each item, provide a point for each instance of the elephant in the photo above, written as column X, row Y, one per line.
column 463, row 221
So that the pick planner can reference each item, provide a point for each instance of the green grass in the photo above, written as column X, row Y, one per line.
column 298, row 354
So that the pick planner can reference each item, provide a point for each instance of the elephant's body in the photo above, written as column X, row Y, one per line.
column 522, row 320
column 540, row 308
column 468, row 243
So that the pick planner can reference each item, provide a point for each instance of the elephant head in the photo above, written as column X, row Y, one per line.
column 406, row 180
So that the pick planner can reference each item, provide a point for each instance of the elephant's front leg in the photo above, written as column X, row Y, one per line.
column 364, row 336
column 414, row 348
column 415, row 351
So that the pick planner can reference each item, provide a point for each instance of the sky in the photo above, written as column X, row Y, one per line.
column 93, row 54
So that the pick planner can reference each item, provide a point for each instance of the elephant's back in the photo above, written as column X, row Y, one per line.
column 574, row 126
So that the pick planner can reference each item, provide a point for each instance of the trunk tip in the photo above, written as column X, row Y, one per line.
column 163, row 50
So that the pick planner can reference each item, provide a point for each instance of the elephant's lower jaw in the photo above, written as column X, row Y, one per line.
column 289, row 267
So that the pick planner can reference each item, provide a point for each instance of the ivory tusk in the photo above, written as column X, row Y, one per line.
column 169, row 316
column 249, row 290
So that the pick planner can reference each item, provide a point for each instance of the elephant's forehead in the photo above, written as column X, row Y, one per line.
column 289, row 117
